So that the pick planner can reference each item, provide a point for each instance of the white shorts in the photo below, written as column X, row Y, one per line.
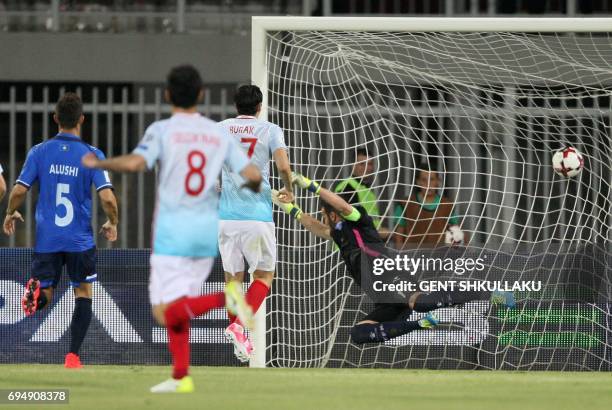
column 251, row 240
column 173, row 277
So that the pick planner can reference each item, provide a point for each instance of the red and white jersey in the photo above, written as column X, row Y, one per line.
column 258, row 139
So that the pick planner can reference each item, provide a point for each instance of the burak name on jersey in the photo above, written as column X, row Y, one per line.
column 242, row 129
column 64, row 170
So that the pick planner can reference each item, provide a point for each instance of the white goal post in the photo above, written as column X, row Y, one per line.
column 505, row 220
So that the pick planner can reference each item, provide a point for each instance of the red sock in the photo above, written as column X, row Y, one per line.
column 231, row 317
column 177, row 317
column 178, row 344
column 187, row 308
column 255, row 295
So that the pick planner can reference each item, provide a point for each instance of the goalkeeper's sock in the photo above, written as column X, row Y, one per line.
column 81, row 318
column 426, row 302
column 178, row 344
column 255, row 295
column 381, row 332
column 187, row 308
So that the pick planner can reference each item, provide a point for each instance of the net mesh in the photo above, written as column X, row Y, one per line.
column 485, row 111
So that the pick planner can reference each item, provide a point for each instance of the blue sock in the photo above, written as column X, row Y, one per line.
column 381, row 332
column 81, row 317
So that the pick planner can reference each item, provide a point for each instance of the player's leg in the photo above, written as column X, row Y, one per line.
column 259, row 250
column 231, row 256
column 258, row 246
column 46, row 269
column 234, row 333
column 81, row 267
column 385, row 323
column 256, row 294
column 175, row 284
column 426, row 302
column 233, row 276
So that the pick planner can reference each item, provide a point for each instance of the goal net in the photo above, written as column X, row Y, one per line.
column 485, row 110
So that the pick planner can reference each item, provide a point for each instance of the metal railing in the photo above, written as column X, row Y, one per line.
column 229, row 16
column 178, row 16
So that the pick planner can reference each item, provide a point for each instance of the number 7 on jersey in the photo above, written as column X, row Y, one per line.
column 252, row 142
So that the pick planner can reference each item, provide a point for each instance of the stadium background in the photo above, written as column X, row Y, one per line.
column 116, row 54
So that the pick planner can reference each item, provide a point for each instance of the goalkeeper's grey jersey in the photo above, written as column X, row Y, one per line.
column 259, row 139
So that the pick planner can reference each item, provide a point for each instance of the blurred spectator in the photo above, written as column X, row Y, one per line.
column 425, row 217
column 357, row 189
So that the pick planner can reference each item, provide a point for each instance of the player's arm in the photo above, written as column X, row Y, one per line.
column 315, row 226
column 281, row 159
column 252, row 177
column 308, row 221
column 27, row 178
column 109, row 205
column 2, row 186
column 123, row 163
column 16, row 199
column 345, row 209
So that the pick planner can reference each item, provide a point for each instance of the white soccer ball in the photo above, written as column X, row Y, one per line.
column 567, row 162
column 454, row 235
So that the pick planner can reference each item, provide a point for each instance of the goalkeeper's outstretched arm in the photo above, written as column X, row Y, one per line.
column 308, row 221
column 336, row 202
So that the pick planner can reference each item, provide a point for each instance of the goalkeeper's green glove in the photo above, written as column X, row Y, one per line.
column 288, row 207
column 306, row 183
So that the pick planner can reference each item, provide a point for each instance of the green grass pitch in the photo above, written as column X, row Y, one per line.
column 126, row 387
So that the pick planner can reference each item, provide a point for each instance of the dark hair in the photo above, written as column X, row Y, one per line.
column 423, row 166
column 327, row 207
column 184, row 85
column 349, row 197
column 361, row 151
column 68, row 110
column 247, row 98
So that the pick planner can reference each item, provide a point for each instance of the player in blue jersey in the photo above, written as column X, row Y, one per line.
column 64, row 236
column 2, row 184
column 246, row 229
column 190, row 151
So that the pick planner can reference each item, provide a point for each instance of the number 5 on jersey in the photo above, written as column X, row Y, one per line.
column 61, row 200
column 195, row 181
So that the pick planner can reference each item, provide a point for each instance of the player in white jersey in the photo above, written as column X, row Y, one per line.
column 190, row 150
column 246, row 229
column 2, row 184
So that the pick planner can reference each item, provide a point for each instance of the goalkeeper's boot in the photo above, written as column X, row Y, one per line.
column 29, row 302
column 243, row 348
column 184, row 385
column 237, row 305
column 430, row 321
column 72, row 361
column 499, row 297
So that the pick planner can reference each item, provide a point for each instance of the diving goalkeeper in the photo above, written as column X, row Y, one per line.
column 355, row 234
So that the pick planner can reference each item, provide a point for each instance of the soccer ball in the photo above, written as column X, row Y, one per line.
column 567, row 162
column 454, row 235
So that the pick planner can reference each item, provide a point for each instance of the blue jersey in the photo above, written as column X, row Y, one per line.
column 63, row 211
